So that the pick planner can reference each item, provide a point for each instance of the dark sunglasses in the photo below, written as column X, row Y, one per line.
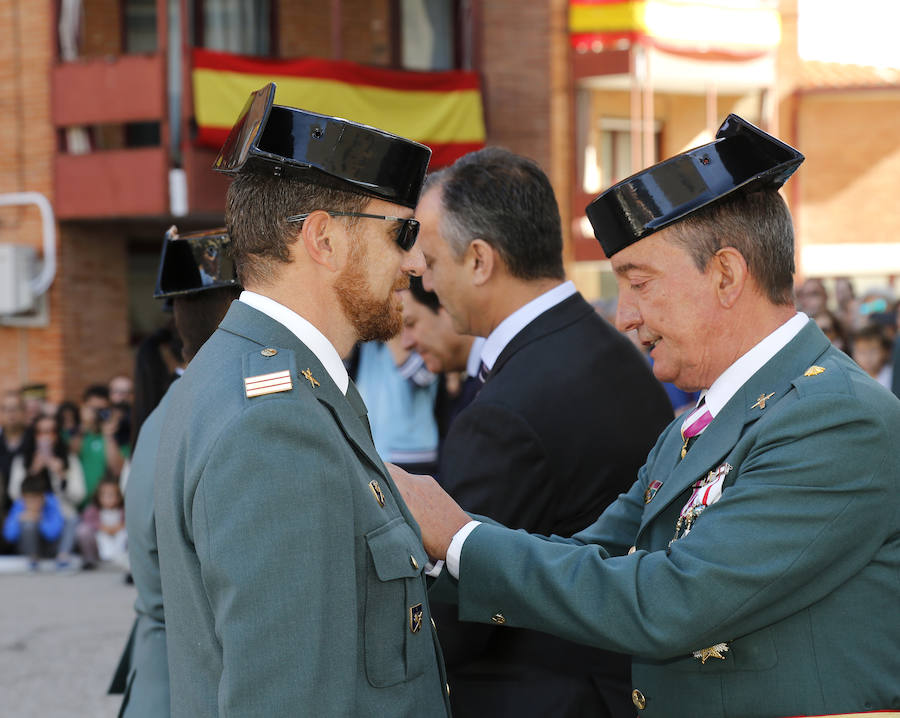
column 406, row 235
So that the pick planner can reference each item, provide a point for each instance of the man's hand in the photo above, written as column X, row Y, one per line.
column 439, row 516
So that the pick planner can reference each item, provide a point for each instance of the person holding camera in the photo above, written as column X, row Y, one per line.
column 96, row 444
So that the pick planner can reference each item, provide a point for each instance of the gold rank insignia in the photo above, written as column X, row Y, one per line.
column 715, row 651
column 307, row 374
column 761, row 401
column 268, row 383
column 415, row 617
column 379, row 494
column 814, row 371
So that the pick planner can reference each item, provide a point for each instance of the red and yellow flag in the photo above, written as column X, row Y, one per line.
column 440, row 109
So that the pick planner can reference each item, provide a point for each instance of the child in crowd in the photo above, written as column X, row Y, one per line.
column 101, row 533
column 44, row 449
column 872, row 351
column 35, row 522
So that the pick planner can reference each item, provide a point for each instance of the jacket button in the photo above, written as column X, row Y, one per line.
column 498, row 618
column 632, row 550
column 413, row 562
column 638, row 699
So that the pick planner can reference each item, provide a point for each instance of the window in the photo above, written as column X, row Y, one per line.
column 429, row 34
column 239, row 26
column 609, row 160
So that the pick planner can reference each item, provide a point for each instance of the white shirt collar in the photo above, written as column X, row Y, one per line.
column 315, row 341
column 474, row 360
column 735, row 376
column 506, row 330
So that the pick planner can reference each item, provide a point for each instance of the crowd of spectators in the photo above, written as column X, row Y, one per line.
column 62, row 467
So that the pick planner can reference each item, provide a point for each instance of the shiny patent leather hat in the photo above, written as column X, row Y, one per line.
column 288, row 142
column 194, row 262
column 742, row 157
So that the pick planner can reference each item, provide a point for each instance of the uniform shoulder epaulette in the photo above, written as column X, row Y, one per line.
column 268, row 371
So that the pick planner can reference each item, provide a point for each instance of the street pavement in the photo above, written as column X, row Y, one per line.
column 60, row 639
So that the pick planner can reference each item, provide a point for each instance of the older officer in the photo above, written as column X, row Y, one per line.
column 752, row 569
column 199, row 304
column 292, row 571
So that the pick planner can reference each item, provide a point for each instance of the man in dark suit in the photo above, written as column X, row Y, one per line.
column 567, row 414
column 752, row 569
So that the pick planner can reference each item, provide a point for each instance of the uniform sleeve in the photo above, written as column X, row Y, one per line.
column 811, row 506
column 273, row 526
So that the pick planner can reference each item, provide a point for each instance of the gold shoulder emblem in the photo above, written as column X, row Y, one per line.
column 814, row 371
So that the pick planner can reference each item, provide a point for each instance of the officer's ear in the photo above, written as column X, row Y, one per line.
column 317, row 238
column 481, row 260
column 731, row 273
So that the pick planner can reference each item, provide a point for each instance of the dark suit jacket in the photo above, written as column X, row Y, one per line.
column 560, row 428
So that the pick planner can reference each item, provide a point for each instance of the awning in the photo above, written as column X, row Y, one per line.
column 440, row 109
column 715, row 29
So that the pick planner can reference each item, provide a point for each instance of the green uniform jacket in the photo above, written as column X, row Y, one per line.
column 796, row 567
column 146, row 692
column 292, row 571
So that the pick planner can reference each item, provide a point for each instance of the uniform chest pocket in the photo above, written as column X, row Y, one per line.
column 398, row 639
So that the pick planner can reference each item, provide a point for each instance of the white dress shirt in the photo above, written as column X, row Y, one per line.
column 314, row 340
column 506, row 330
column 474, row 360
column 717, row 396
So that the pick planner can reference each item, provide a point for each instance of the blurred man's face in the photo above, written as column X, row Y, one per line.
column 120, row 390
column 369, row 286
column 432, row 336
column 811, row 297
column 444, row 273
column 90, row 411
column 669, row 302
column 12, row 413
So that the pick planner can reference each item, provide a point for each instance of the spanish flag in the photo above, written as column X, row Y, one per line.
column 440, row 109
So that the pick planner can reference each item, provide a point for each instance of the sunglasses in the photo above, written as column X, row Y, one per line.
column 406, row 235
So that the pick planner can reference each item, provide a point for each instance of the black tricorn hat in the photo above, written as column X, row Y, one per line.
column 742, row 157
column 194, row 262
column 285, row 141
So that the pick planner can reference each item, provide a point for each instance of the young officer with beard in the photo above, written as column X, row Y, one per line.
column 292, row 571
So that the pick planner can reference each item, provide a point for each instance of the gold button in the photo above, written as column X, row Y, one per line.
column 413, row 562
column 269, row 352
column 433, row 624
column 638, row 699
column 498, row 618
column 447, row 686
column 632, row 550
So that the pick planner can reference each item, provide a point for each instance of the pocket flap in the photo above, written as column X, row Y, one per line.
column 396, row 551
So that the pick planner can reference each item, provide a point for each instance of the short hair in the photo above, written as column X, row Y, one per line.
column 873, row 332
column 758, row 225
column 506, row 200
column 422, row 295
column 99, row 390
column 36, row 483
column 255, row 216
column 198, row 314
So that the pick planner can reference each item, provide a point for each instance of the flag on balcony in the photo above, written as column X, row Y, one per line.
column 707, row 29
column 440, row 109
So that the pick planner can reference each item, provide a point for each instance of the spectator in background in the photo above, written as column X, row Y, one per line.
column 44, row 449
column 872, row 351
column 12, row 434
column 400, row 394
column 428, row 331
column 68, row 417
column 121, row 397
column 35, row 522
column 96, row 444
column 845, row 298
column 35, row 396
column 101, row 534
column 832, row 328
column 811, row 297
column 158, row 362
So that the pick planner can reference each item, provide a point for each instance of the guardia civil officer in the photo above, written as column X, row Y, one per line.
column 199, row 303
column 753, row 569
column 292, row 571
